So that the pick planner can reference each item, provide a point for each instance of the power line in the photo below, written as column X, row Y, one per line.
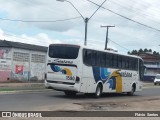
column 19, row 20
column 125, row 17
column 119, row 45
column 128, row 8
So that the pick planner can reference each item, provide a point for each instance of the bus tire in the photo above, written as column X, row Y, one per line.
column 133, row 89
column 98, row 92
column 70, row 93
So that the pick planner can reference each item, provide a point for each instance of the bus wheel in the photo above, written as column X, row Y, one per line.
column 131, row 93
column 70, row 93
column 98, row 91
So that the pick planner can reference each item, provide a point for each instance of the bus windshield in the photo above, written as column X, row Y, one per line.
column 63, row 51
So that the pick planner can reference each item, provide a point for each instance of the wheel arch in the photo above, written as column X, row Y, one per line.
column 134, row 86
column 100, row 83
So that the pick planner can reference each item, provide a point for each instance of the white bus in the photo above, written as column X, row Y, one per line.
column 74, row 68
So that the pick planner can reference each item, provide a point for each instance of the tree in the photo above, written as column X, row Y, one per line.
column 129, row 53
column 135, row 52
column 146, row 50
column 154, row 53
column 140, row 51
column 150, row 50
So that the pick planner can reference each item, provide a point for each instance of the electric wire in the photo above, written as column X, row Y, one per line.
column 125, row 17
column 19, row 20
column 140, row 14
column 119, row 45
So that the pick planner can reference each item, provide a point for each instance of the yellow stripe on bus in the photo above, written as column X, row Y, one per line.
column 68, row 72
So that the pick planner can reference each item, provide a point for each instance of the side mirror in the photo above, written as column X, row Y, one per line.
column 144, row 68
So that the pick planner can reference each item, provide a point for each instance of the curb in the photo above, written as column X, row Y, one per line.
column 24, row 91
column 13, row 88
column 43, row 90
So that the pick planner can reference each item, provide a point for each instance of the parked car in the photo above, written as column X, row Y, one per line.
column 157, row 79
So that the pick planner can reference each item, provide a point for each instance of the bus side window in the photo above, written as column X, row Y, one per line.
column 123, row 62
column 119, row 62
column 98, row 59
column 132, row 63
column 127, row 63
column 108, row 60
column 136, row 64
column 103, row 59
column 87, row 57
column 94, row 58
column 115, row 61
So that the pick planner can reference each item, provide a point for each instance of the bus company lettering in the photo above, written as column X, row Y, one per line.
column 63, row 61
column 126, row 74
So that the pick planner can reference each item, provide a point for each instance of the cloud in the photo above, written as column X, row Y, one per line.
column 38, row 39
column 40, row 11
column 1, row 34
column 126, row 33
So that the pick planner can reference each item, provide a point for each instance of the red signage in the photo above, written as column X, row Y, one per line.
column 19, row 69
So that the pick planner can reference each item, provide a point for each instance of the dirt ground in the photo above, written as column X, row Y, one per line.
column 122, row 104
column 143, row 104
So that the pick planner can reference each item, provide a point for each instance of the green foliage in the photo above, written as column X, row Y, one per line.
column 135, row 52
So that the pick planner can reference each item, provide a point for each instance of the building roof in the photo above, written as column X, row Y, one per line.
column 150, row 57
column 5, row 43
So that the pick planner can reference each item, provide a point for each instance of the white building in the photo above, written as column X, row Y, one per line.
column 22, row 62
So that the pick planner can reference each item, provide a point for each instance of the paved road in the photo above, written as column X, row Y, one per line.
column 47, row 99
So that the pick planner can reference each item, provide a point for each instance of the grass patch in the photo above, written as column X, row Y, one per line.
column 7, row 90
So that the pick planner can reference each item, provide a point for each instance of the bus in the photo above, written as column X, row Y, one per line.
column 75, row 68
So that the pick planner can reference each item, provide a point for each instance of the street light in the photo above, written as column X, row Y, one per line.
column 85, row 19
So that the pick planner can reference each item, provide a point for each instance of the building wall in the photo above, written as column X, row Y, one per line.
column 21, row 64
column 152, row 63
column 5, row 63
column 28, row 65
column 37, row 65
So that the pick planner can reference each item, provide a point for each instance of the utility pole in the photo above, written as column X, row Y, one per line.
column 107, row 35
column 85, row 19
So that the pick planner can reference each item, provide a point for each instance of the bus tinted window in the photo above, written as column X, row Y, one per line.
column 63, row 51
column 123, row 62
column 119, row 61
column 98, row 62
column 87, row 54
column 107, row 59
column 133, row 63
column 115, row 61
column 94, row 58
column 102, row 59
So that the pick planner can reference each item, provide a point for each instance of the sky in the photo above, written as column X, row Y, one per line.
column 43, row 22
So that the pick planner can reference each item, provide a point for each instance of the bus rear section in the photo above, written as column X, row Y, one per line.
column 62, row 63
